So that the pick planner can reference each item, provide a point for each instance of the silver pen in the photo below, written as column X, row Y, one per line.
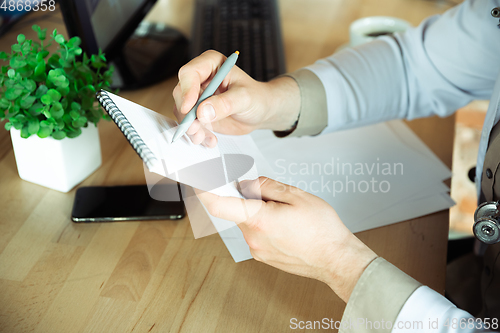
column 209, row 91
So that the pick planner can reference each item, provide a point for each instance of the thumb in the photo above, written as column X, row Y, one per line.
column 229, row 208
column 267, row 189
column 222, row 105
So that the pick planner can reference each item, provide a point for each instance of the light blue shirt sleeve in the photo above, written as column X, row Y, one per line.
column 432, row 69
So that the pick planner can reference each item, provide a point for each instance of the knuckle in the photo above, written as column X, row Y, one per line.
column 176, row 90
column 211, row 53
column 183, row 70
column 254, row 255
column 265, row 183
column 200, row 136
column 263, row 179
column 192, row 129
column 252, row 244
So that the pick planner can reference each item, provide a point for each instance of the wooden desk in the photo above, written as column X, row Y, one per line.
column 56, row 276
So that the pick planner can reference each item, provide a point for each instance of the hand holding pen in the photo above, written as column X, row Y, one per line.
column 239, row 105
column 209, row 91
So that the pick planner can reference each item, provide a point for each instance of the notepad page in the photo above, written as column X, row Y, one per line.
column 157, row 131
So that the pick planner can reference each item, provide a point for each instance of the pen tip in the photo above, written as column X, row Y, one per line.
column 237, row 52
column 176, row 136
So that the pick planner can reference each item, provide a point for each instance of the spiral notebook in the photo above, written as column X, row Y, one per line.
column 150, row 134
column 135, row 140
column 210, row 169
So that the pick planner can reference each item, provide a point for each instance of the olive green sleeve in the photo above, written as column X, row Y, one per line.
column 378, row 296
column 313, row 116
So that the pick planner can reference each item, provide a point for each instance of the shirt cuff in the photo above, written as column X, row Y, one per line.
column 427, row 311
column 313, row 115
column 377, row 298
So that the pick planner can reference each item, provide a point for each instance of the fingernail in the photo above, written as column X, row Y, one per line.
column 207, row 141
column 245, row 183
column 238, row 186
column 208, row 113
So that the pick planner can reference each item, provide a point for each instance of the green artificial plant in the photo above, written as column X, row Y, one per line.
column 51, row 94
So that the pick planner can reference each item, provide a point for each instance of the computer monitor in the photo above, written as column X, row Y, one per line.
column 141, row 56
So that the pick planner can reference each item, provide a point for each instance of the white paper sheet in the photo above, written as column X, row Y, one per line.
column 156, row 131
column 326, row 166
column 183, row 161
column 407, row 210
column 421, row 193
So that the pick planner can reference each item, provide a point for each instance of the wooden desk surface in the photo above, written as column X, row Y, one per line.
column 57, row 276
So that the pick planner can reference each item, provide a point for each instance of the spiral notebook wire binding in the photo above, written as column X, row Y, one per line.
column 127, row 129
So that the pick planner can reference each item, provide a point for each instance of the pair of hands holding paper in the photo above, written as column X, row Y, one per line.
column 284, row 226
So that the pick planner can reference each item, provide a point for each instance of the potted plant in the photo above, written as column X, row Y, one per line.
column 48, row 100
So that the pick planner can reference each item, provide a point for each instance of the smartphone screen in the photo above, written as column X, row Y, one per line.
column 125, row 203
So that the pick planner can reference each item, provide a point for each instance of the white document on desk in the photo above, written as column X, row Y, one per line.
column 416, row 192
column 415, row 178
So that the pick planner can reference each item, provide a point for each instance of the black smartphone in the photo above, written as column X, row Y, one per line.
column 127, row 203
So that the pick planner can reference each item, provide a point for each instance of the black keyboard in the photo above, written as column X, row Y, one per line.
column 249, row 26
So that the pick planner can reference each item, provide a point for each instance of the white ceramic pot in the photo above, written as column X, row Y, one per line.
column 57, row 164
